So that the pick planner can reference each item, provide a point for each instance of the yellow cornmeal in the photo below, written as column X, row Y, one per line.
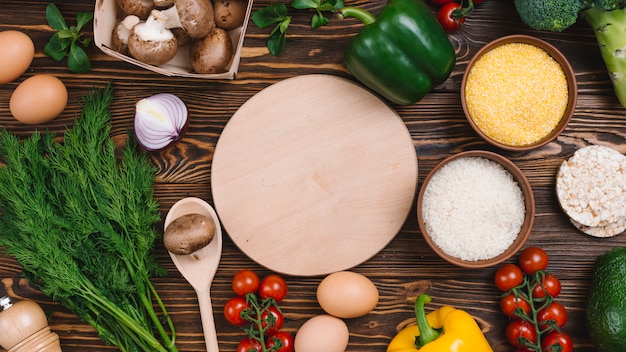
column 516, row 94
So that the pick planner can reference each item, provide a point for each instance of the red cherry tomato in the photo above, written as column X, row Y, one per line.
column 533, row 259
column 248, row 345
column 244, row 282
column 283, row 338
column 554, row 338
column 273, row 286
column 508, row 276
column 272, row 320
column 509, row 304
column 555, row 312
column 441, row 2
column 233, row 309
column 550, row 285
column 519, row 329
column 447, row 18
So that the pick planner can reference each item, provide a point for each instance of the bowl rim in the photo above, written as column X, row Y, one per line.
column 529, row 204
column 570, row 76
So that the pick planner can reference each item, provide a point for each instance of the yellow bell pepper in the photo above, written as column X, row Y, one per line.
column 444, row 330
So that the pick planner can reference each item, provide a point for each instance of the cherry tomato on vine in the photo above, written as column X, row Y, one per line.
column 556, row 312
column 448, row 17
column 273, row 286
column 508, row 276
column 554, row 338
column 550, row 285
column 273, row 323
column 285, row 339
column 233, row 309
column 533, row 259
column 247, row 345
column 519, row 329
column 245, row 281
column 509, row 304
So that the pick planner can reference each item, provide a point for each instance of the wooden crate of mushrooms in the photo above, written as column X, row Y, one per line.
column 191, row 38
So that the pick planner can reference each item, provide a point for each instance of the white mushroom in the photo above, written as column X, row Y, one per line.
column 194, row 16
column 119, row 39
column 150, row 42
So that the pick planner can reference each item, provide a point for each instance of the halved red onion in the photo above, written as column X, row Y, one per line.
column 160, row 120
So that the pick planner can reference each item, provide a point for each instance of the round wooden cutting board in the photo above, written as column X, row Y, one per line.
column 313, row 175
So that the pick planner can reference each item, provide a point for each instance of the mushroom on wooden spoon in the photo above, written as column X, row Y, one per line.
column 198, row 267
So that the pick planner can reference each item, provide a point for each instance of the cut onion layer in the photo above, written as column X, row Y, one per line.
column 160, row 120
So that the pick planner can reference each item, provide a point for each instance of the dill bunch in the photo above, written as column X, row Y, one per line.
column 79, row 217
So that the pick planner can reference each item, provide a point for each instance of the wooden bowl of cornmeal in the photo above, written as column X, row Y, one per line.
column 519, row 92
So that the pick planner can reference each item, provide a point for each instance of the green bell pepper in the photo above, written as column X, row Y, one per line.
column 402, row 54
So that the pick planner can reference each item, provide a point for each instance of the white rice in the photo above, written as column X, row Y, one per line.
column 473, row 209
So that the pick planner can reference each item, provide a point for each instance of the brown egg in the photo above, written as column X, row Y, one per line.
column 38, row 99
column 346, row 294
column 322, row 333
column 17, row 51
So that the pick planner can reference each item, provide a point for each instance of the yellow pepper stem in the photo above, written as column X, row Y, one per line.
column 427, row 332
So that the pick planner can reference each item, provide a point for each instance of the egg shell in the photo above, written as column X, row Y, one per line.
column 322, row 333
column 38, row 99
column 17, row 51
column 346, row 294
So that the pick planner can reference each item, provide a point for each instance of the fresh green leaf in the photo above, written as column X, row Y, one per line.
column 326, row 6
column 77, row 60
column 85, row 42
column 270, row 15
column 318, row 20
column 284, row 25
column 55, row 18
column 66, row 40
column 65, row 34
column 277, row 42
column 305, row 4
column 82, row 18
column 55, row 48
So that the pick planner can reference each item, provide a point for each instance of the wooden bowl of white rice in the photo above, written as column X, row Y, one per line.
column 476, row 209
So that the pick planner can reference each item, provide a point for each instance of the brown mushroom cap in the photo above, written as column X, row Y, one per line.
column 196, row 17
column 188, row 233
column 152, row 52
column 229, row 14
column 213, row 53
column 150, row 43
column 140, row 8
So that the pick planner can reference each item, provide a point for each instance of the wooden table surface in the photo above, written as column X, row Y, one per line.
column 406, row 267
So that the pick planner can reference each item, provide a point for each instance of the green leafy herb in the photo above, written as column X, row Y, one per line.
column 274, row 14
column 65, row 42
column 79, row 216
column 277, row 14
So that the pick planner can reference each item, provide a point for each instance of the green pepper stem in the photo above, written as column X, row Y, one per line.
column 362, row 15
column 427, row 333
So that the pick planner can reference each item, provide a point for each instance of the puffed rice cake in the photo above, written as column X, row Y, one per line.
column 591, row 189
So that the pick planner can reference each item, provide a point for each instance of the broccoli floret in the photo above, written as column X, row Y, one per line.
column 550, row 15
column 606, row 17
column 606, row 5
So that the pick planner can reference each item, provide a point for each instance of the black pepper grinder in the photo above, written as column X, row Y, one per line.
column 24, row 327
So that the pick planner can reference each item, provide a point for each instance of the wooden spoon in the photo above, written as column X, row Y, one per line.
column 200, row 266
